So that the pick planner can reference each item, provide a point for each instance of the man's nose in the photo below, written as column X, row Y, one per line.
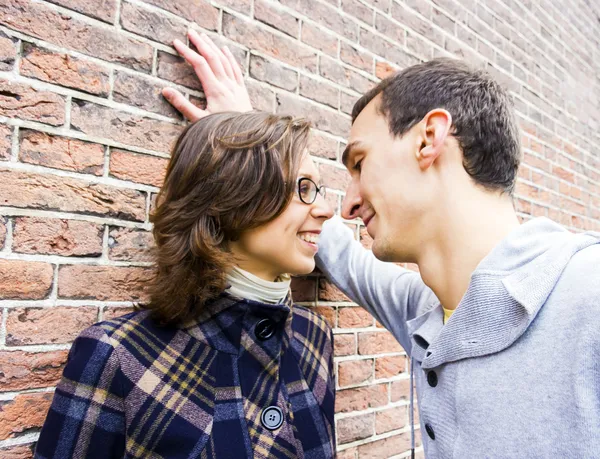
column 352, row 202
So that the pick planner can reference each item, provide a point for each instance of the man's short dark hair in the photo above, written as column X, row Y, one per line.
column 482, row 115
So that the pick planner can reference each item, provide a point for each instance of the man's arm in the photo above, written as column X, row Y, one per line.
column 390, row 293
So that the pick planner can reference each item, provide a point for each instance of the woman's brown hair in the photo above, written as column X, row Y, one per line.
column 228, row 172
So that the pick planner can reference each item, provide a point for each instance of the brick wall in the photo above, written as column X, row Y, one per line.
column 85, row 136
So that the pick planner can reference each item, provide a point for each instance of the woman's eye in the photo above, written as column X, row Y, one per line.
column 303, row 189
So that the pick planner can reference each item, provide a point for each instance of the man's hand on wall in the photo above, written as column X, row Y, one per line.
column 219, row 74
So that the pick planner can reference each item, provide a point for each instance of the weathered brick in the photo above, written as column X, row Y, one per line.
column 377, row 343
column 381, row 5
column 328, row 313
column 21, row 451
column 322, row 146
column 105, row 10
column 380, row 449
column 390, row 366
column 361, row 398
column 304, row 288
column 176, row 69
column 350, row 55
column 49, row 192
column 2, row 232
column 392, row 30
column 359, row 10
column 130, row 244
column 25, row 280
column 344, row 344
column 273, row 73
column 60, row 152
column 365, row 239
column 386, row 49
column 355, row 428
column 30, row 370
column 64, row 70
column 127, row 128
column 283, row 48
column 419, row 25
column 21, row 101
column 318, row 38
column 418, row 46
column 26, row 411
column 270, row 14
column 319, row 91
column 41, row 21
column 336, row 178
column 323, row 119
column 200, row 12
column 142, row 92
column 56, row 325
column 114, row 283
column 400, row 390
column 57, row 237
column 351, row 372
column 8, row 51
column 354, row 317
column 5, row 142
column 137, row 167
column 347, row 102
column 241, row 6
column 333, row 70
column 329, row 292
column 390, row 419
column 349, row 453
column 112, row 312
column 261, row 97
column 152, row 25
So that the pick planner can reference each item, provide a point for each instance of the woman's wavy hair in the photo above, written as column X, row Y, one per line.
column 229, row 172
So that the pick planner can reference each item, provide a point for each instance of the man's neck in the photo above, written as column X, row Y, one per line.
column 472, row 227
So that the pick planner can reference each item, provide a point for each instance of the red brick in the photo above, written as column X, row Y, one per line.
column 304, row 288
column 336, row 178
column 48, row 192
column 21, row 101
column 349, row 453
column 64, row 70
column 400, row 390
column 359, row 10
column 319, row 91
column 344, row 345
column 273, row 73
column 390, row 419
column 8, row 51
column 241, row 6
column 387, row 367
column 361, row 398
column 176, row 69
column 56, row 325
column 418, row 46
column 386, row 49
column 60, row 152
column 41, row 21
column 277, row 18
column 2, row 232
column 105, row 10
column 354, row 317
column 329, row 292
column 18, row 452
column 322, row 146
column 261, row 97
column 380, row 449
column 151, row 24
column 411, row 20
column 200, row 12
column 129, row 244
column 322, row 118
column 255, row 37
column 347, row 102
column 114, row 283
column 355, row 428
column 5, row 142
column 112, row 312
column 142, row 92
column 25, row 280
column 318, row 38
column 377, row 343
column 123, row 127
column 30, row 370
column 333, row 70
column 350, row 55
column 328, row 313
column 136, row 167
column 26, row 411
column 57, row 237
column 353, row 372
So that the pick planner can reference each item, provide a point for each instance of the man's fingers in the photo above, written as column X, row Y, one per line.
column 183, row 106
column 207, row 52
column 237, row 72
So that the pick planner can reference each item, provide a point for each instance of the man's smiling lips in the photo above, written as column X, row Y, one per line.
column 367, row 218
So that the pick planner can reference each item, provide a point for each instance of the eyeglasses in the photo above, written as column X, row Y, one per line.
column 308, row 190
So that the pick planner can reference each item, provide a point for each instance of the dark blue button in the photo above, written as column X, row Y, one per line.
column 432, row 378
column 272, row 417
column 430, row 431
column 265, row 328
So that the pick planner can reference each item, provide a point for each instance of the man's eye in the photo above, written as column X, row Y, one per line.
column 357, row 165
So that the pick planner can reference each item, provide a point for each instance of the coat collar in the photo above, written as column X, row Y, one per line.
column 505, row 294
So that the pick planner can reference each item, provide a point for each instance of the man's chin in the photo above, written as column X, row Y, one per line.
column 381, row 250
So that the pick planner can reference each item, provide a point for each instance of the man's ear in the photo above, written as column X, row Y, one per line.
column 435, row 127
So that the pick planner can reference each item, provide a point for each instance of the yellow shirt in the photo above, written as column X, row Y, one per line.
column 447, row 313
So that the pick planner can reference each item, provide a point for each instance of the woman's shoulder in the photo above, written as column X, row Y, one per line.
column 306, row 322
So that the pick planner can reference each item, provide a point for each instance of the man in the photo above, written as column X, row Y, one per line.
column 502, row 324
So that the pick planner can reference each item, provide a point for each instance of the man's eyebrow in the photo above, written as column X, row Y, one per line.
column 347, row 151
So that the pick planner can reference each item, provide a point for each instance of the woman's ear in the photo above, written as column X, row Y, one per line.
column 435, row 127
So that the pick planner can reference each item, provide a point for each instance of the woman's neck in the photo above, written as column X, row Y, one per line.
column 244, row 284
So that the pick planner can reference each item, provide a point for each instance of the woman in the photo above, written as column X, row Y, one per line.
column 219, row 363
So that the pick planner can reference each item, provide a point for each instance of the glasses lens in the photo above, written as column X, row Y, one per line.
column 307, row 190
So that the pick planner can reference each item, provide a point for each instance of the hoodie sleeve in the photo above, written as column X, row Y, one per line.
column 390, row 293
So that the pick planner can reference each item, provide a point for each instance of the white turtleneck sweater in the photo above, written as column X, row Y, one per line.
column 243, row 284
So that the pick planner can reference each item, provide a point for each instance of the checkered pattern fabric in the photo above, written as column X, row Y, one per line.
column 133, row 389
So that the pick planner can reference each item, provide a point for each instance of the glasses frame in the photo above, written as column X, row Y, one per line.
column 321, row 190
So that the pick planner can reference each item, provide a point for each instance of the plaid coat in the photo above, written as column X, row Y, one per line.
column 214, row 388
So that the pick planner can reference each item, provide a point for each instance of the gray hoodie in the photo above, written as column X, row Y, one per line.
column 515, row 372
